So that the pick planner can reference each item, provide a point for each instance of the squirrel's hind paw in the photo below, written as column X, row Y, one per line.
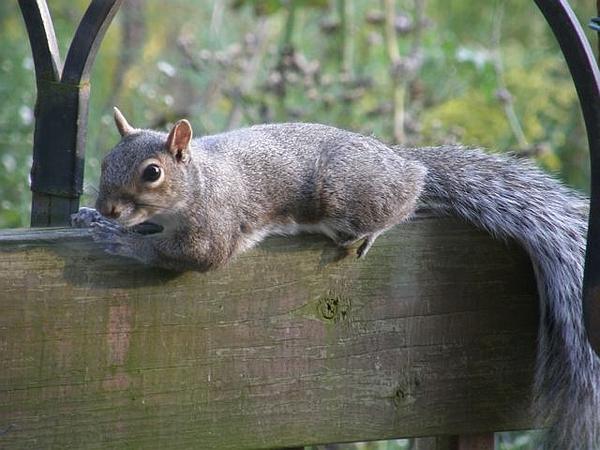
column 364, row 248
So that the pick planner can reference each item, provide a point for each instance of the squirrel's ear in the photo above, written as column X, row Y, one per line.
column 179, row 139
column 121, row 123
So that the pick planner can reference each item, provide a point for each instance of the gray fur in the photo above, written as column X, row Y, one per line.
column 238, row 187
column 233, row 189
column 513, row 199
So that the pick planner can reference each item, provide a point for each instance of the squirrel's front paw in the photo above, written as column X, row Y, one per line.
column 85, row 217
column 115, row 239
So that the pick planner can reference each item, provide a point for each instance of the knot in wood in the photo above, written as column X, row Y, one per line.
column 405, row 392
column 399, row 396
column 333, row 307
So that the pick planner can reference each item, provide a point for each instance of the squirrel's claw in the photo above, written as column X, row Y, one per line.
column 85, row 217
column 120, row 241
column 366, row 245
column 363, row 249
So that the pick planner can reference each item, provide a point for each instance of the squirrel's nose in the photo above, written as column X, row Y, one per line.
column 110, row 210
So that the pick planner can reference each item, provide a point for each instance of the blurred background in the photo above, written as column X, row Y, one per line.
column 415, row 72
column 409, row 71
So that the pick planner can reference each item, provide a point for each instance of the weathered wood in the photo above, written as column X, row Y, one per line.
column 432, row 334
column 481, row 441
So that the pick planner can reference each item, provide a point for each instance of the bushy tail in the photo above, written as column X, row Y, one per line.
column 511, row 198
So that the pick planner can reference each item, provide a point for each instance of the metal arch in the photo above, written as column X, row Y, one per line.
column 584, row 70
column 44, row 47
column 61, row 107
column 87, row 39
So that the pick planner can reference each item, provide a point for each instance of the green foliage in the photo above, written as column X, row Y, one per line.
column 233, row 64
column 230, row 64
column 518, row 440
column 399, row 444
column 17, row 90
column 267, row 7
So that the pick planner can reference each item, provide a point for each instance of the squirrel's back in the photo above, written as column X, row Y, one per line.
column 305, row 176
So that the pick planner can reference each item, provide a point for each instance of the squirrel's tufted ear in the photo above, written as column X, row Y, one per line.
column 179, row 139
column 121, row 123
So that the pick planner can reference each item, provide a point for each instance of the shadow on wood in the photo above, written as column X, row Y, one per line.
column 432, row 334
column 482, row 441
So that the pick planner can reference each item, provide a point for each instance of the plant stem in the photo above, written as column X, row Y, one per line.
column 506, row 99
column 284, row 47
column 398, row 85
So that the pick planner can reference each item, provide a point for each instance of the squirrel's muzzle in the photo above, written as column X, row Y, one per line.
column 109, row 209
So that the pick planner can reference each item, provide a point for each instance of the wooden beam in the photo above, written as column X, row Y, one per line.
column 432, row 334
column 481, row 441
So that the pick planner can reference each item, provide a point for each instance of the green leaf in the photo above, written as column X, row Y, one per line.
column 269, row 7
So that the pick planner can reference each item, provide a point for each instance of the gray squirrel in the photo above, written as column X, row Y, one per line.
column 214, row 197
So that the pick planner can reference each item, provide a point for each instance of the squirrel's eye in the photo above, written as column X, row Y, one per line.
column 151, row 173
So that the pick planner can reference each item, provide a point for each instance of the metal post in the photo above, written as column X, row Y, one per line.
column 61, row 108
column 598, row 17
column 584, row 70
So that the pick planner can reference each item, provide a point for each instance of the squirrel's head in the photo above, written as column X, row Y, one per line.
column 145, row 174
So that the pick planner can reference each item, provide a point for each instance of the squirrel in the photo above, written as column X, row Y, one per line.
column 214, row 197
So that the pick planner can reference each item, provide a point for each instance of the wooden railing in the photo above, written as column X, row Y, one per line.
column 432, row 334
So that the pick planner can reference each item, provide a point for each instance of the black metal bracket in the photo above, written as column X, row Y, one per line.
column 61, row 107
column 584, row 70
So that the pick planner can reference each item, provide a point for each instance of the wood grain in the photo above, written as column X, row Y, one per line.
column 432, row 334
